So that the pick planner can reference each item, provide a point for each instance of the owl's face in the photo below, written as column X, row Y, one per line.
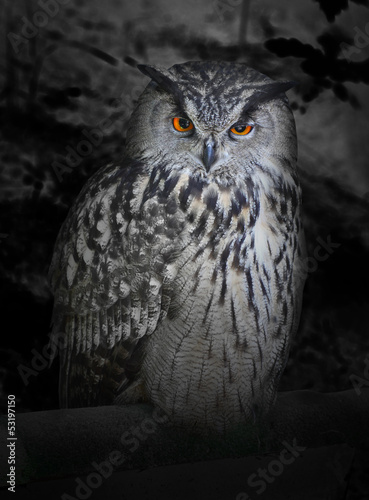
column 221, row 122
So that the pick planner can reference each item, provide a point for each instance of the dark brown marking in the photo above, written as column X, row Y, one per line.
column 201, row 225
column 279, row 257
column 254, row 368
column 224, row 256
column 269, row 249
column 260, row 352
column 225, row 357
column 250, row 285
column 241, row 225
column 236, row 262
column 208, row 307
column 223, row 290
column 285, row 312
column 230, row 374
column 170, row 184
column 196, row 280
column 210, row 199
column 214, row 276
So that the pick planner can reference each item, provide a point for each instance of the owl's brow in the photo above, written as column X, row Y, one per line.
column 179, row 111
column 265, row 93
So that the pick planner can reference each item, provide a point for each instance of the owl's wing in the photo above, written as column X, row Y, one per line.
column 107, row 276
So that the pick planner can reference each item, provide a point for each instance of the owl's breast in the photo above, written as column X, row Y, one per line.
column 219, row 353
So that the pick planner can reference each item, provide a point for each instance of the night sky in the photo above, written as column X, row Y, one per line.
column 74, row 73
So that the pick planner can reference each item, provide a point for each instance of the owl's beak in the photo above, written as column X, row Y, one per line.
column 208, row 156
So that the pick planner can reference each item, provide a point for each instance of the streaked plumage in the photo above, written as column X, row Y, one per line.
column 178, row 276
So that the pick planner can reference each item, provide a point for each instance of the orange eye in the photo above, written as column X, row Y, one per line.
column 182, row 124
column 241, row 129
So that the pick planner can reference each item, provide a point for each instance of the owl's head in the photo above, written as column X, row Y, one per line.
column 219, row 121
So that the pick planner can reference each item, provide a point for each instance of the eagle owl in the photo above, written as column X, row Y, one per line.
column 178, row 273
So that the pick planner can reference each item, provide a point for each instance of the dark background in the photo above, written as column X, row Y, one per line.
column 64, row 77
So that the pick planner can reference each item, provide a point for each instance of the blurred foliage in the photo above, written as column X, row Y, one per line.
column 332, row 8
column 325, row 69
column 60, row 86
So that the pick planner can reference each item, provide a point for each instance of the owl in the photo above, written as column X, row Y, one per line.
column 178, row 273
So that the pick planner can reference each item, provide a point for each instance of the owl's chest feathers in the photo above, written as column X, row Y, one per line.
column 232, row 257
column 228, row 315
column 234, row 228
column 211, row 228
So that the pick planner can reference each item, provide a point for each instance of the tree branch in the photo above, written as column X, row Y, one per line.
column 59, row 443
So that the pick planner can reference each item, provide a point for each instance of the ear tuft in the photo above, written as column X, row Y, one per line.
column 267, row 92
column 163, row 78
column 285, row 86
